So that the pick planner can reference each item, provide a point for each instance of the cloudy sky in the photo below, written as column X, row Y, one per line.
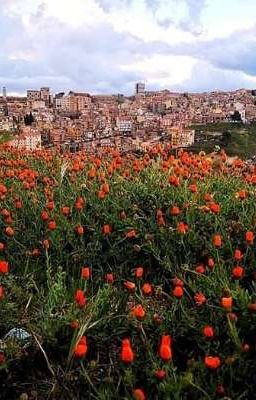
column 105, row 46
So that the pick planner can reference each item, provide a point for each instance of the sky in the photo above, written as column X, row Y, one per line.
column 105, row 46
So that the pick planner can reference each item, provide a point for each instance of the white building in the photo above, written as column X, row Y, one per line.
column 29, row 139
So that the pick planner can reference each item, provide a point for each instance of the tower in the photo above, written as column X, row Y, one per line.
column 4, row 92
column 139, row 88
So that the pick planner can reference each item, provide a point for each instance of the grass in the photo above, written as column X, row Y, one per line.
column 238, row 139
column 124, row 205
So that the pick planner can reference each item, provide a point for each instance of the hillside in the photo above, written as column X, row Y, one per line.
column 235, row 138
column 131, row 278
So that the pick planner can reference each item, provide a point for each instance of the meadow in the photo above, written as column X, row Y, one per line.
column 127, row 277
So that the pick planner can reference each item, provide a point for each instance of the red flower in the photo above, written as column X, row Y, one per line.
column 212, row 362
column 131, row 234
column 249, row 237
column 52, row 225
column 85, row 273
column 81, row 349
column 147, row 289
column 226, row 302
column 200, row 269
column 217, row 240
column 215, row 208
column 199, row 299
column 238, row 272
column 238, row 255
column 178, row 292
column 174, row 180
column 210, row 263
column 139, row 271
column 208, row 331
column 139, row 394
column 2, row 358
column 80, row 298
column 160, row 374
column 165, row 350
column 4, row 267
column 1, row 292
column 182, row 228
column 79, row 230
column 127, row 354
column 106, row 229
column 129, row 285
column 138, row 311
column 109, row 277
column 175, row 211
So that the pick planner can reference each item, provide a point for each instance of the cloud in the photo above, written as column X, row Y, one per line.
column 107, row 45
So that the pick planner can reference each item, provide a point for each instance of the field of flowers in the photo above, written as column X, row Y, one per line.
column 126, row 277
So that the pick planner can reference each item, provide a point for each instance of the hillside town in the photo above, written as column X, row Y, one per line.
column 78, row 120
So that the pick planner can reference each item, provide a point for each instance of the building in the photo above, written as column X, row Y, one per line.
column 139, row 88
column 182, row 137
column 4, row 92
column 124, row 124
column 29, row 139
column 33, row 95
column 45, row 95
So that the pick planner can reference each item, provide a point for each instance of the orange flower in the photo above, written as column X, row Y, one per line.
column 175, row 210
column 74, row 324
column 139, row 394
column 129, row 285
column 174, row 180
column 81, row 348
column 208, row 331
column 242, row 194
column 238, row 272
column 193, row 188
column 80, row 298
column 182, row 228
column 50, row 205
column 65, row 211
column 4, row 267
column 127, row 354
column 165, row 350
column 9, row 231
column 105, row 188
column 138, row 311
column 147, row 289
column 217, row 240
column 215, row 208
column 106, row 229
column 178, row 292
column 44, row 215
column 85, row 273
column 131, row 234
column 46, row 243
column 200, row 269
column 249, row 237
column 139, row 271
column 1, row 292
column 79, row 230
column 210, row 263
column 199, row 299
column 212, row 362
column 226, row 302
column 101, row 194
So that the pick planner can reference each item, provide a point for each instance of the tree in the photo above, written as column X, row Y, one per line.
column 29, row 119
column 236, row 116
